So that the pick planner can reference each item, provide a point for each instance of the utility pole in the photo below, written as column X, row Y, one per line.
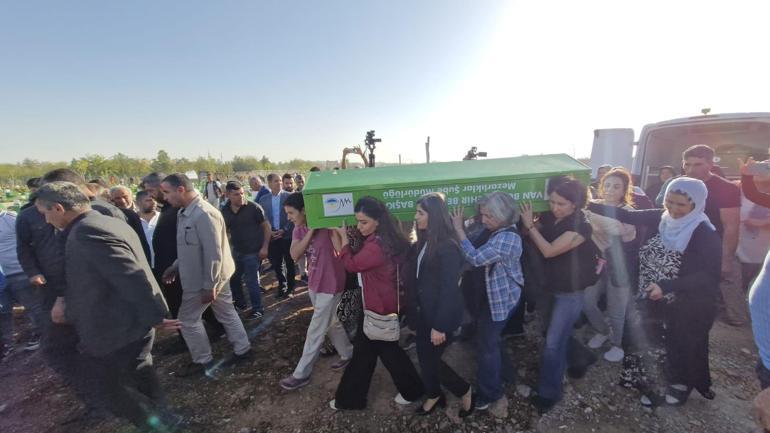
column 399, row 159
column 427, row 150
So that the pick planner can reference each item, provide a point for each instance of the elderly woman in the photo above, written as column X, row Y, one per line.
column 504, row 278
column 680, row 270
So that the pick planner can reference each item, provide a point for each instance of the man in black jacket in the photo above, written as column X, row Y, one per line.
column 41, row 254
column 112, row 300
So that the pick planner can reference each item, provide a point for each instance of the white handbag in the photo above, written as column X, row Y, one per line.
column 381, row 327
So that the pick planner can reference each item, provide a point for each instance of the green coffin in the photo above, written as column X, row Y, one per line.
column 331, row 195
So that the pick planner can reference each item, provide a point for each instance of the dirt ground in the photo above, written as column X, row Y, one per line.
column 246, row 398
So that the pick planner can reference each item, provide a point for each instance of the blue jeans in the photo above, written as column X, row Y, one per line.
column 566, row 311
column 494, row 363
column 246, row 268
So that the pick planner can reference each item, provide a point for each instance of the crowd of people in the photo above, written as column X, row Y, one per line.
column 98, row 270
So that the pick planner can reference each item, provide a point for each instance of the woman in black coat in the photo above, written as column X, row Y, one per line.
column 679, row 271
column 437, row 303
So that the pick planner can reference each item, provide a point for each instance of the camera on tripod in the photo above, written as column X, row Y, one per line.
column 474, row 154
column 371, row 143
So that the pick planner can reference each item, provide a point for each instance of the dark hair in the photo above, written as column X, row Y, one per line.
column 67, row 194
column 625, row 177
column 287, row 176
column 233, row 185
column 699, row 151
column 295, row 200
column 393, row 241
column 570, row 188
column 63, row 175
column 669, row 168
column 140, row 195
column 179, row 179
column 101, row 182
column 315, row 168
column 33, row 182
column 271, row 176
column 439, row 223
column 153, row 179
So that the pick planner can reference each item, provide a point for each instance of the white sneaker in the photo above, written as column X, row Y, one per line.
column 332, row 404
column 597, row 341
column 401, row 400
column 615, row 354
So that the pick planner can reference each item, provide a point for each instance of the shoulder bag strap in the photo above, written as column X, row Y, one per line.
column 398, row 291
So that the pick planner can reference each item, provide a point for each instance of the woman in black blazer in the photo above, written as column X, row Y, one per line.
column 437, row 304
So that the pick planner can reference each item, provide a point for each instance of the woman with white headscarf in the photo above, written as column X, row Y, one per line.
column 679, row 271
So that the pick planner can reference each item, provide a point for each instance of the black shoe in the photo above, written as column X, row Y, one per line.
column 441, row 402
column 542, row 404
column 708, row 394
column 237, row 359
column 577, row 372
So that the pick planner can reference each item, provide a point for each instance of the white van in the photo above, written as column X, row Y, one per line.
column 732, row 136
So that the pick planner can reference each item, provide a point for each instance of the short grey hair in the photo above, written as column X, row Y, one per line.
column 67, row 194
column 117, row 188
column 502, row 206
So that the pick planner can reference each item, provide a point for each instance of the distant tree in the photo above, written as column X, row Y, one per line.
column 245, row 163
column 264, row 163
column 162, row 162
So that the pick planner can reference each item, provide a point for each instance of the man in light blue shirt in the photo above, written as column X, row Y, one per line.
column 280, row 242
column 17, row 287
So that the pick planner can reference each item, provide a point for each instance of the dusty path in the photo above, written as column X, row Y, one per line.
column 247, row 398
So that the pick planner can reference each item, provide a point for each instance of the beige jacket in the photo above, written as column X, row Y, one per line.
column 204, row 260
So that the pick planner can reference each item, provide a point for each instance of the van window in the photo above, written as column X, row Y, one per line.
column 730, row 141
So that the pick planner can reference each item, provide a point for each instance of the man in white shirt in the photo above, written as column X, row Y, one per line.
column 149, row 214
column 212, row 191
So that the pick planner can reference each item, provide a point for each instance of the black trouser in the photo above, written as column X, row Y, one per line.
column 60, row 350
column 128, row 385
column 687, row 343
column 354, row 385
column 434, row 371
column 59, row 345
column 173, row 294
column 279, row 253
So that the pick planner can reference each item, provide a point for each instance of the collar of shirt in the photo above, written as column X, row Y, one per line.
column 183, row 211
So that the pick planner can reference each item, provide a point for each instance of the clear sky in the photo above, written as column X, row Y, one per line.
column 306, row 78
